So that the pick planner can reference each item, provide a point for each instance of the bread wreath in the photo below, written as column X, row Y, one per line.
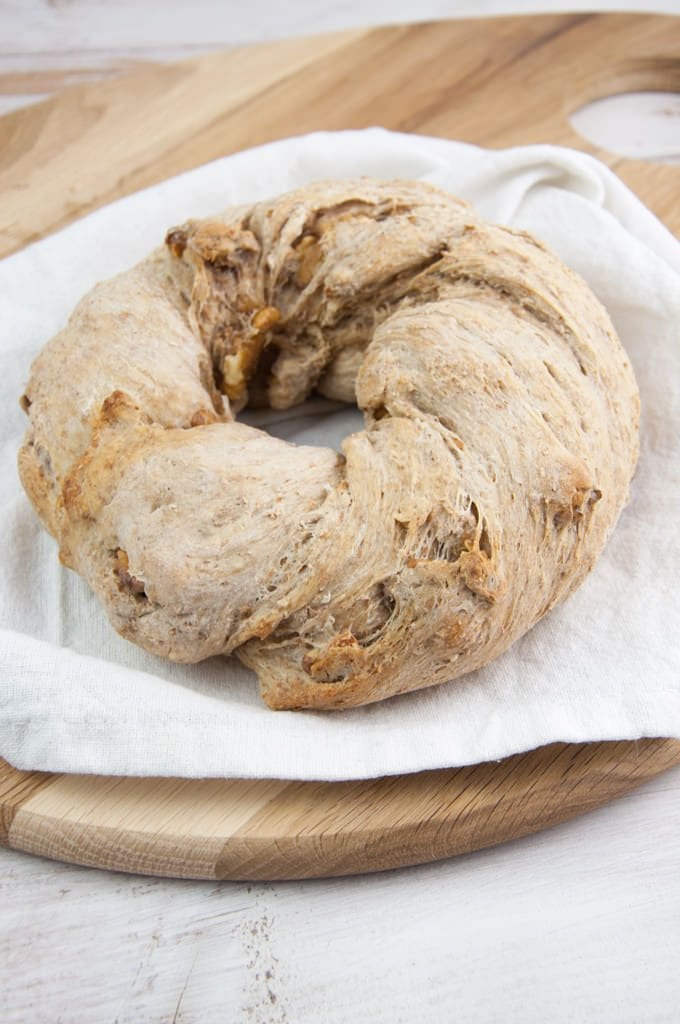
column 501, row 434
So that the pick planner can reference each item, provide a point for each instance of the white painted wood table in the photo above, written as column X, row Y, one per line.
column 581, row 923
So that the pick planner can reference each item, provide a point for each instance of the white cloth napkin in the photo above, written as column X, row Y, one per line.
column 75, row 697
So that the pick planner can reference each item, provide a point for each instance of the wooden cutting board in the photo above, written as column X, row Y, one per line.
column 498, row 82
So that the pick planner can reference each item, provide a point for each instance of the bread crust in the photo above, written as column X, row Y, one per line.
column 501, row 435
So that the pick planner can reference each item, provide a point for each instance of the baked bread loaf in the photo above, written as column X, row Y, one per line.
column 501, row 434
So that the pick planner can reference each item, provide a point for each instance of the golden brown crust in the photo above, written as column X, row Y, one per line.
column 501, row 437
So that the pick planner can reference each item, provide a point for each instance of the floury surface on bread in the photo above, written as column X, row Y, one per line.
column 501, row 435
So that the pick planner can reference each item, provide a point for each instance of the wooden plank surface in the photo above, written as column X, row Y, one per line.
column 499, row 82
column 502, row 82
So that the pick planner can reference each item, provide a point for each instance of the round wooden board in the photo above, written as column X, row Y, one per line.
column 496, row 82
column 273, row 829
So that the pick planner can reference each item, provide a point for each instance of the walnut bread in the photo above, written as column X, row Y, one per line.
column 501, row 435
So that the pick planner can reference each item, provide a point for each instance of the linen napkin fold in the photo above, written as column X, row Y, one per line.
column 75, row 697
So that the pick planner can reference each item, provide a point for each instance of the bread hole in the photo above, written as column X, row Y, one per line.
column 259, row 382
column 401, row 531
column 575, row 509
column 126, row 581
column 25, row 403
column 438, row 542
column 378, row 608
column 44, row 460
column 317, row 422
column 484, row 541
column 388, row 599
column 339, row 677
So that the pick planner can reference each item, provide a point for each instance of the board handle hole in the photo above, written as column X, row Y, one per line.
column 641, row 125
column 632, row 110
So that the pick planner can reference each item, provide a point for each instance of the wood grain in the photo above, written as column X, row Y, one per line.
column 502, row 82
column 15, row 789
column 272, row 829
column 497, row 82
